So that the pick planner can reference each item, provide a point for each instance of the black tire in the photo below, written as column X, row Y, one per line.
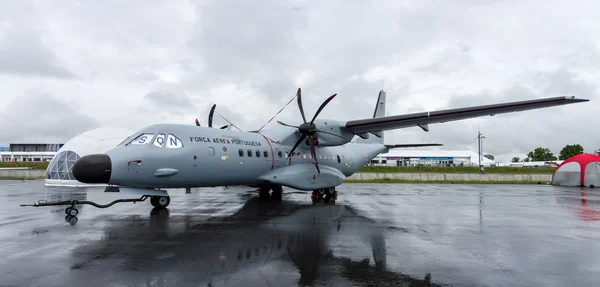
column 67, row 210
column 263, row 194
column 161, row 201
column 73, row 212
column 277, row 193
column 153, row 200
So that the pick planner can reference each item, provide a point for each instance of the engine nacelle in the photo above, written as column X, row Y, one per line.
column 332, row 127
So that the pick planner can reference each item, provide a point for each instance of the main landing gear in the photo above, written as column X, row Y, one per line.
column 274, row 192
column 326, row 195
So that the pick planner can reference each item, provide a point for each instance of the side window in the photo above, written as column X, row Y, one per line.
column 249, row 152
column 339, row 159
column 160, row 140
column 286, row 154
column 173, row 142
column 142, row 139
column 266, row 153
column 279, row 154
column 211, row 151
column 257, row 153
column 241, row 152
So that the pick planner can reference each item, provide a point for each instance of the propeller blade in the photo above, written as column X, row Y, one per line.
column 302, row 137
column 284, row 124
column 321, row 107
column 313, row 153
column 197, row 123
column 321, row 131
column 299, row 95
column 210, row 115
column 224, row 127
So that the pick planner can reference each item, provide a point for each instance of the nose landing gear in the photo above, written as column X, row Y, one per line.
column 160, row 201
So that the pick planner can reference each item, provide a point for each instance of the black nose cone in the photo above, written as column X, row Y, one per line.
column 93, row 168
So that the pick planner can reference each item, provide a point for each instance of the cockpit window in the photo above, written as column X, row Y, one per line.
column 160, row 140
column 142, row 139
column 173, row 142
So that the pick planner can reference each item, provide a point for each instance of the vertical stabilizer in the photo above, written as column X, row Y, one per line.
column 377, row 136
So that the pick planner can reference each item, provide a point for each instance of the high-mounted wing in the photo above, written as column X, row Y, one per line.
column 411, row 145
column 425, row 118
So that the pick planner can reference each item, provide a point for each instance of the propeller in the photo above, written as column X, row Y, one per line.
column 308, row 129
column 210, row 115
column 210, row 118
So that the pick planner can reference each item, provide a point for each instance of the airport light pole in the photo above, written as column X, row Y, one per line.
column 479, row 150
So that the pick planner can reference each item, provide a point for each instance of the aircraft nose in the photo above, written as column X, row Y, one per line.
column 93, row 168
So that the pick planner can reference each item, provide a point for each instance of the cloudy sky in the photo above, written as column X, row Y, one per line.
column 71, row 66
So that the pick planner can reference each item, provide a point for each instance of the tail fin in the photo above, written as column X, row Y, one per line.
column 377, row 136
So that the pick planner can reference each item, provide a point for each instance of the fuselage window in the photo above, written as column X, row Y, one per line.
column 249, row 153
column 279, row 154
column 339, row 159
column 286, row 154
column 266, row 153
column 142, row 139
column 241, row 152
column 257, row 153
column 211, row 151
column 174, row 142
column 160, row 140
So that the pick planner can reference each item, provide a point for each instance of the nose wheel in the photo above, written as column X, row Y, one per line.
column 72, row 211
column 160, row 201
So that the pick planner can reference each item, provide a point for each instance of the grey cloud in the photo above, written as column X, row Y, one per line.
column 42, row 118
column 170, row 101
column 515, row 134
column 448, row 60
column 563, row 82
column 22, row 52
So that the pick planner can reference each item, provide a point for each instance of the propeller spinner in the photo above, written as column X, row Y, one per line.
column 308, row 129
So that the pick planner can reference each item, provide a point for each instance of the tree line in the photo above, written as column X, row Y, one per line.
column 545, row 154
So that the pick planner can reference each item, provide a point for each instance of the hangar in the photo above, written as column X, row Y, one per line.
column 400, row 157
column 59, row 171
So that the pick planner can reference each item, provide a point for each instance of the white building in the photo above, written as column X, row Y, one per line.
column 59, row 171
column 411, row 157
column 28, row 151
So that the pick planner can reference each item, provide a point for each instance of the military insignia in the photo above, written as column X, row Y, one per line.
column 224, row 158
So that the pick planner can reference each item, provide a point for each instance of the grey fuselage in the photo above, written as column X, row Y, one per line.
column 192, row 156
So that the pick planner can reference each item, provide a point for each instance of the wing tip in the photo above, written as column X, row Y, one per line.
column 573, row 99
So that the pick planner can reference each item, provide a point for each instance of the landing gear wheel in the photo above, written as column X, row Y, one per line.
column 277, row 193
column 316, row 196
column 325, row 195
column 71, row 211
column 71, row 219
column 263, row 194
column 160, row 201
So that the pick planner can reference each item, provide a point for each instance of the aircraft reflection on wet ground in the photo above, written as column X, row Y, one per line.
column 289, row 237
column 376, row 235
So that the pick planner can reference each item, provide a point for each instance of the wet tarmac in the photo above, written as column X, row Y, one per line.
column 376, row 235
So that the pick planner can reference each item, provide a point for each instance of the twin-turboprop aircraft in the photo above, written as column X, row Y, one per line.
column 316, row 155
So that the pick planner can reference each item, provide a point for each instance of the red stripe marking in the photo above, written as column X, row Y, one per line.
column 272, row 153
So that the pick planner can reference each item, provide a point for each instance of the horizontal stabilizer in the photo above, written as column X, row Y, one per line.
column 411, row 145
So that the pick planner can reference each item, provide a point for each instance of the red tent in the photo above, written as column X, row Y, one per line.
column 580, row 170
